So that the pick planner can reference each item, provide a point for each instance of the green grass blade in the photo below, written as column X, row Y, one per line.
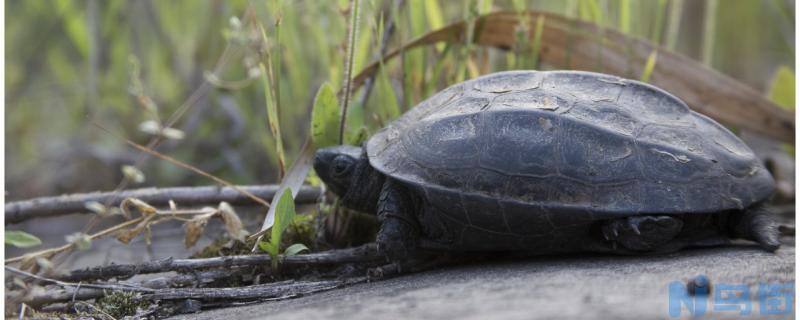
column 649, row 66
column 272, row 119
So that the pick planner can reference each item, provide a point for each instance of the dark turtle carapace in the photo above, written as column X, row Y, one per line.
column 558, row 161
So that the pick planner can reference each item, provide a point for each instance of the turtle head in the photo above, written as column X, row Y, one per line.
column 335, row 166
column 346, row 171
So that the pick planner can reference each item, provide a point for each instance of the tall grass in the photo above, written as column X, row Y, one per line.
column 176, row 42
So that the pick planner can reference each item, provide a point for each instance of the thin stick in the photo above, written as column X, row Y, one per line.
column 363, row 254
column 262, row 291
column 85, row 285
column 16, row 212
column 78, row 293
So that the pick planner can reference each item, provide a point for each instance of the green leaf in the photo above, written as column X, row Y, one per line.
column 21, row 239
column 781, row 90
column 284, row 213
column 295, row 249
column 325, row 118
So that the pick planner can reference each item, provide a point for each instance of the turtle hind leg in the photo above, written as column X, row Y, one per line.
column 641, row 233
column 756, row 223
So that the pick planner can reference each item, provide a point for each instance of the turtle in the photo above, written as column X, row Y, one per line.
column 549, row 162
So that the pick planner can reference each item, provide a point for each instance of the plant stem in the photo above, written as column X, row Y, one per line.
column 351, row 43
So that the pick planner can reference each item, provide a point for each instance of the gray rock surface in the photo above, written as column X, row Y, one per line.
column 567, row 287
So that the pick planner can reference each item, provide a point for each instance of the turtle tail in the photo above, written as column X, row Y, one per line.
column 757, row 224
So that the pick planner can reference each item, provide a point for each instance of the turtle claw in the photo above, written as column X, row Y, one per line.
column 641, row 233
column 634, row 227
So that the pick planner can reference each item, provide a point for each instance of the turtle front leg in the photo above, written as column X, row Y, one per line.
column 397, row 238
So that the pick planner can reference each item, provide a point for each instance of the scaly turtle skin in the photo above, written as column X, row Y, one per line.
column 558, row 161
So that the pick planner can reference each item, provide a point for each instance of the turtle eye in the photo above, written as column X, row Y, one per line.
column 341, row 165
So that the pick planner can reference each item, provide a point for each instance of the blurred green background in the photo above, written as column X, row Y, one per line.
column 124, row 63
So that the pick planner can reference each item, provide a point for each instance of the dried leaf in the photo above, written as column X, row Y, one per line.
column 133, row 205
column 194, row 229
column 28, row 262
column 125, row 236
column 232, row 222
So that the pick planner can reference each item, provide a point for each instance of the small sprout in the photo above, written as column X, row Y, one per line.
column 284, row 215
column 21, row 239
column 295, row 249
column 232, row 222
column 80, row 240
column 133, row 174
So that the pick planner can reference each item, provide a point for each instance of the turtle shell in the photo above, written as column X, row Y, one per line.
column 569, row 140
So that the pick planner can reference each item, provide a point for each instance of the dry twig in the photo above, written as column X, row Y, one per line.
column 20, row 211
